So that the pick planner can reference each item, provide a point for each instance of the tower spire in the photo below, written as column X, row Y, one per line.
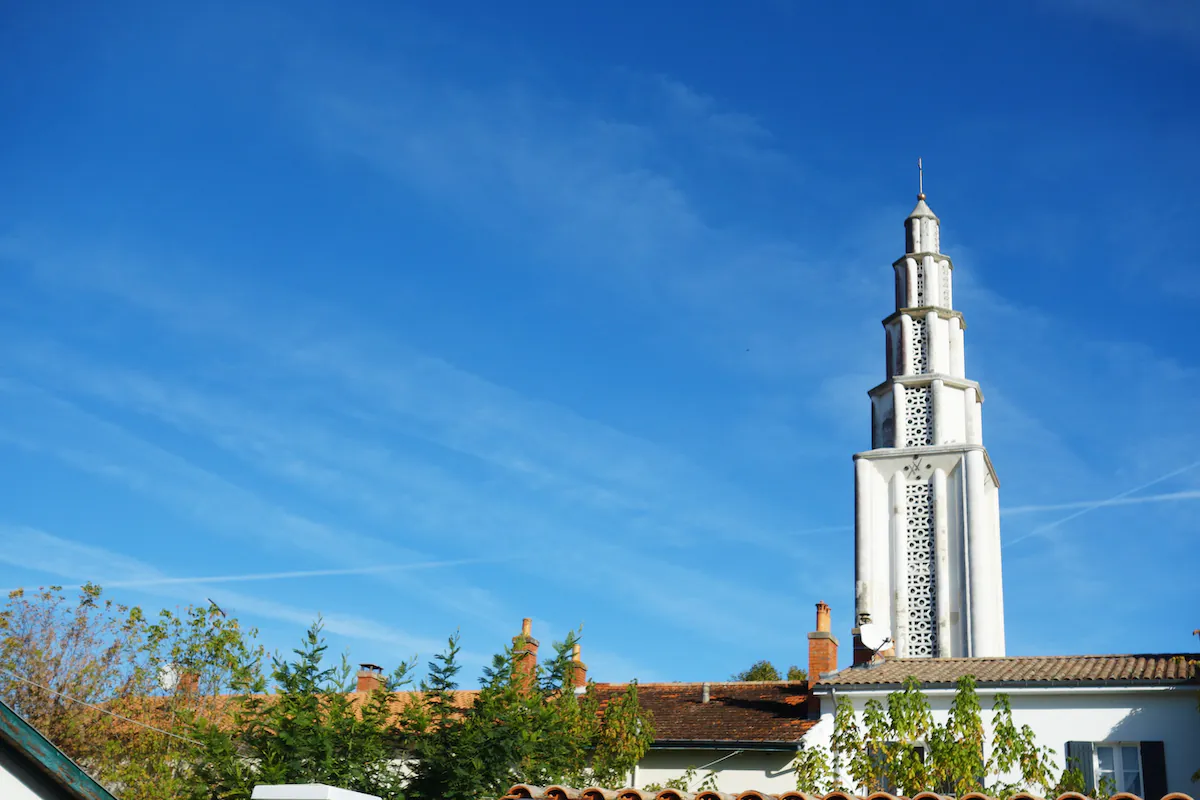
column 920, row 180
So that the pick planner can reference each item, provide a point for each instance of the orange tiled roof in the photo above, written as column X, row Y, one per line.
column 1148, row 669
column 525, row 792
column 762, row 713
column 757, row 712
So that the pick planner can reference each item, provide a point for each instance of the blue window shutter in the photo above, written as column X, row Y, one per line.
column 1081, row 756
column 1154, row 770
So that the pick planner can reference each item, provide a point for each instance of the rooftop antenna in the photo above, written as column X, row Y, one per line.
column 168, row 677
column 920, row 180
column 874, row 637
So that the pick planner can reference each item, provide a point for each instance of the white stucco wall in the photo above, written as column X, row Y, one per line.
column 769, row 772
column 1081, row 714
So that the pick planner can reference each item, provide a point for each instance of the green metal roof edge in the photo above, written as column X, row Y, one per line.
column 51, row 761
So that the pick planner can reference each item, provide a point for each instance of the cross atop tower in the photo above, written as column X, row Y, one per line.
column 920, row 180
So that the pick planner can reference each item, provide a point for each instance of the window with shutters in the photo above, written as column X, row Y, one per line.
column 1136, row 767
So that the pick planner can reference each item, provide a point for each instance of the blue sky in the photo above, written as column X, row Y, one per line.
column 485, row 311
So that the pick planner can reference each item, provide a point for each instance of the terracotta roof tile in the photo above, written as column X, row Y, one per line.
column 761, row 712
column 1050, row 670
column 765, row 713
column 526, row 792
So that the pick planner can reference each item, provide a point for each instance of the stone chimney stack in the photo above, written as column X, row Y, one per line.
column 189, row 682
column 578, row 669
column 822, row 647
column 370, row 677
column 525, row 651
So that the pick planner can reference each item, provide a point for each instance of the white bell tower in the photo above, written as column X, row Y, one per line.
column 927, row 513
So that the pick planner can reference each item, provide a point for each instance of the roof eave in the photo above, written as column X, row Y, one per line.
column 724, row 744
column 48, row 760
column 990, row 685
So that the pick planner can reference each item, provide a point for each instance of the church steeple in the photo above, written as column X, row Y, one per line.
column 927, row 532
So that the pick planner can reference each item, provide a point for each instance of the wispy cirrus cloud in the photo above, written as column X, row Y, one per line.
column 33, row 549
column 1158, row 19
column 1167, row 497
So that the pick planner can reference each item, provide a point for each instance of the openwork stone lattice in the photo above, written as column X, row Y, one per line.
column 919, row 346
column 918, row 416
column 919, row 300
column 920, row 568
column 945, row 298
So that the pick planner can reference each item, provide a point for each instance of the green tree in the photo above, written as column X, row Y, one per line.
column 426, row 744
column 188, row 661
column 53, row 649
column 766, row 671
column 758, row 671
column 520, row 729
column 89, row 673
column 309, row 730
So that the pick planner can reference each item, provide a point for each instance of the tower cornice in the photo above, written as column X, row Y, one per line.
column 927, row 379
column 920, row 311
column 885, row 453
column 937, row 256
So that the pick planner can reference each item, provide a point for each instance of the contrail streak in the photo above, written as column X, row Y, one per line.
column 1191, row 494
column 307, row 573
column 1101, row 503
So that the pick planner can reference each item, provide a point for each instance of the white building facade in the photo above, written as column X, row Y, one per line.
column 927, row 514
column 1128, row 719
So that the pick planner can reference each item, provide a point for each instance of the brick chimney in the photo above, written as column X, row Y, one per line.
column 189, row 682
column 370, row 677
column 822, row 647
column 578, row 669
column 525, row 650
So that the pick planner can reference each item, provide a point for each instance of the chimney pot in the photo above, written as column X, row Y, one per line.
column 823, row 617
column 527, row 627
column 705, row 691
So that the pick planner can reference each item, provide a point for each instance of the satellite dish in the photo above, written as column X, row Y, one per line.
column 168, row 677
column 874, row 636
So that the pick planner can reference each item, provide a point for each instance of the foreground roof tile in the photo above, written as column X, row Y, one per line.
column 524, row 791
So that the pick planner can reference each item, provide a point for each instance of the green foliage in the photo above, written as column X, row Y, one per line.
column 758, row 671
column 683, row 783
column 813, row 769
column 536, row 730
column 766, row 671
column 225, row 726
column 64, row 662
column 898, row 748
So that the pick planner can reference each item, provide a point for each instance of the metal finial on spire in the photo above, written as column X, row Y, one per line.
column 920, row 180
